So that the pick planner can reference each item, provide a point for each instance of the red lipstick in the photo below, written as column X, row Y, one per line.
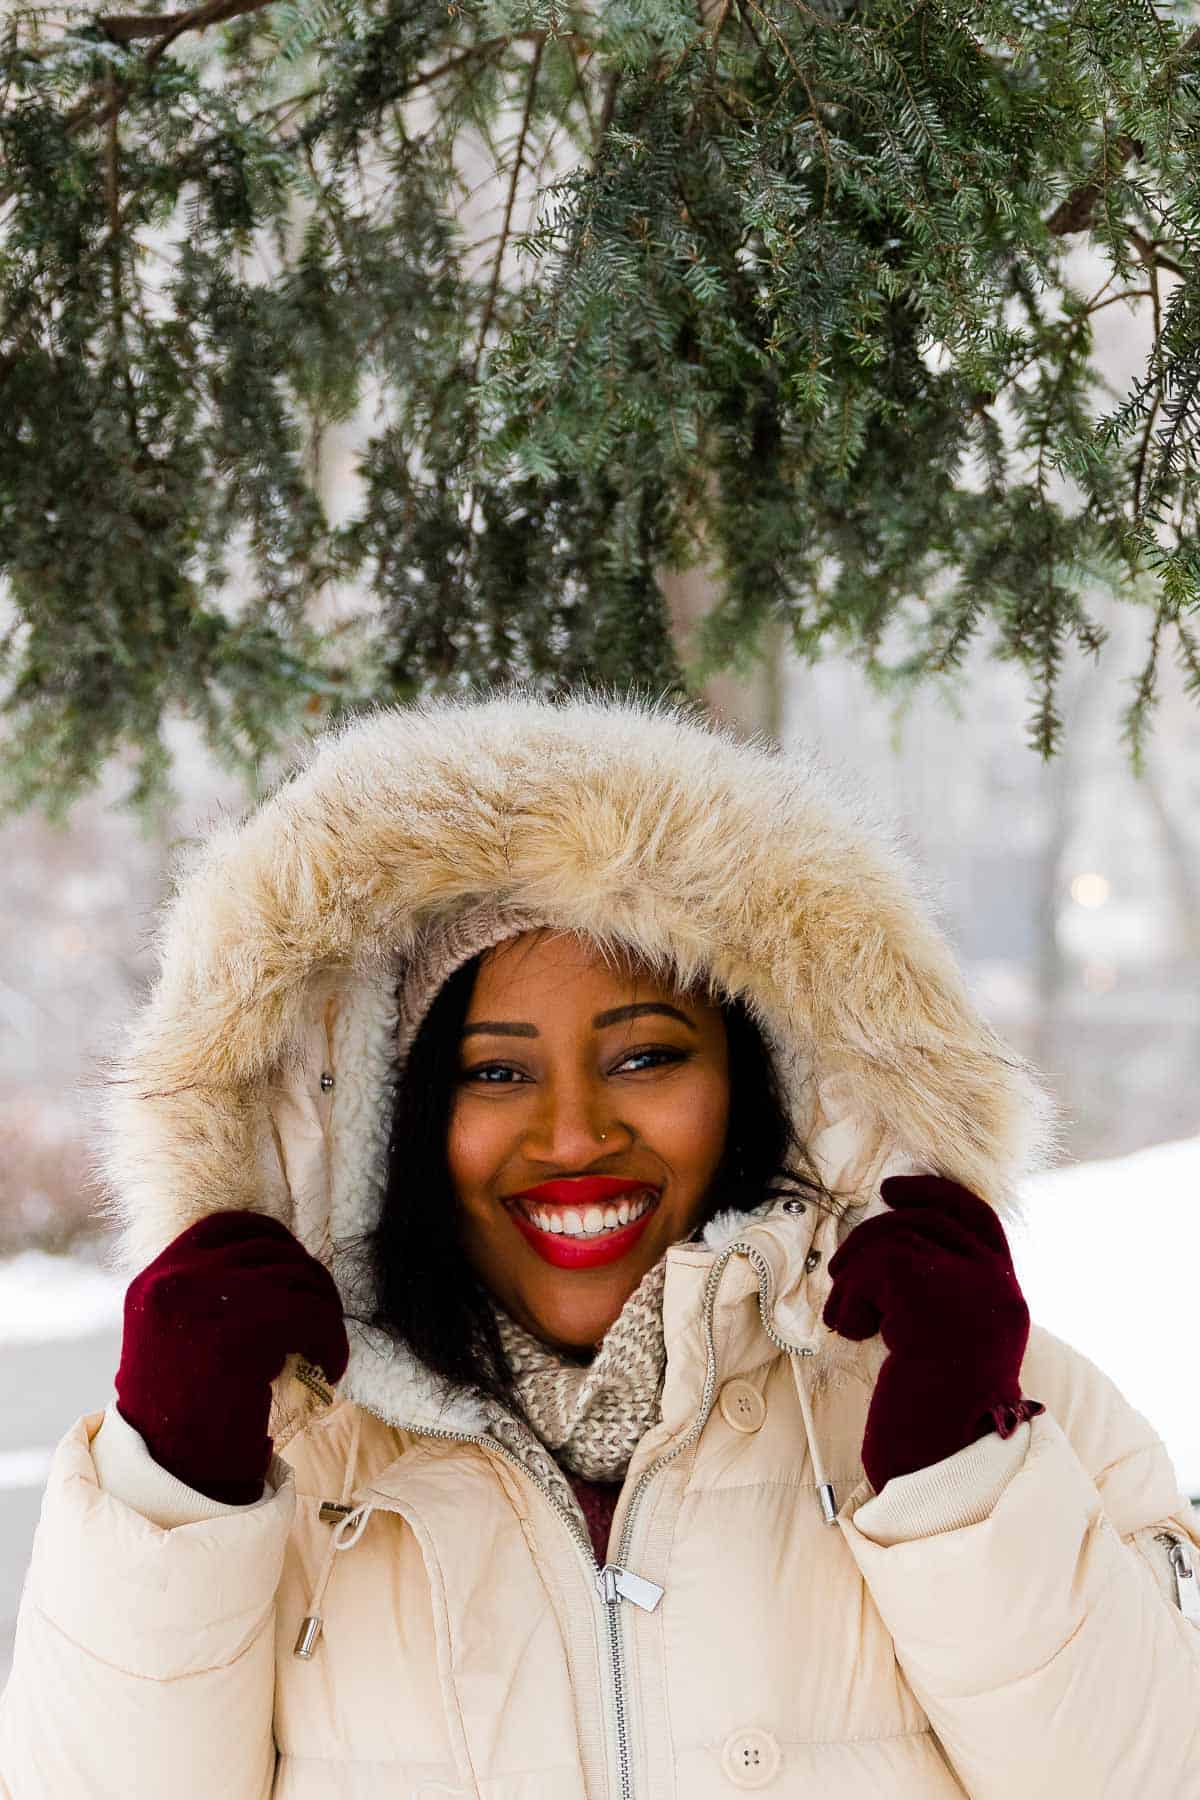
column 580, row 1191
column 584, row 1190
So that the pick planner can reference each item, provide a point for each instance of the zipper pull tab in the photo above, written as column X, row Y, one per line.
column 613, row 1584
column 1187, row 1589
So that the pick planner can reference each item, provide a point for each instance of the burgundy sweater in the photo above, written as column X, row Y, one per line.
column 598, row 1500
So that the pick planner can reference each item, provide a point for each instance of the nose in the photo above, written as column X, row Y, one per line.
column 573, row 1125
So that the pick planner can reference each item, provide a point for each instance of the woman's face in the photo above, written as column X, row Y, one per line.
column 570, row 1070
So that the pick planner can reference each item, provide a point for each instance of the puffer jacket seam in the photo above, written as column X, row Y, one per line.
column 840, row 1743
column 1151, row 1446
column 1159, row 1456
column 394, row 1762
column 665, row 1686
column 157, row 1680
column 998, row 1687
column 799, row 1487
column 529, row 1533
column 452, row 1698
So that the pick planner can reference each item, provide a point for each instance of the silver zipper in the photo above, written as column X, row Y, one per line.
column 613, row 1581
column 708, row 1396
column 1187, row 1596
column 608, row 1582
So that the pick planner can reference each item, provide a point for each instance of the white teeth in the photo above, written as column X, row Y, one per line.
column 593, row 1220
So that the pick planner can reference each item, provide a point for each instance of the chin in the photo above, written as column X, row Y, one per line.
column 575, row 1321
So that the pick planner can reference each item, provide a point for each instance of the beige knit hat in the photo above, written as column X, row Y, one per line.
column 444, row 948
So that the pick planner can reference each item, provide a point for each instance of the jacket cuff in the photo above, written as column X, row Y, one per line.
column 126, row 1470
column 960, row 1490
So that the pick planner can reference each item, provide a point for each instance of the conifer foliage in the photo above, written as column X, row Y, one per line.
column 791, row 286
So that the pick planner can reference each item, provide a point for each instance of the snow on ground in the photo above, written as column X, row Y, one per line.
column 1108, row 1258
column 44, row 1298
column 25, row 1468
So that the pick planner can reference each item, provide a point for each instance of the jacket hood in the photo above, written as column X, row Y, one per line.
column 259, row 1071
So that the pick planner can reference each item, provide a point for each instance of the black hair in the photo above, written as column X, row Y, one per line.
column 427, row 1296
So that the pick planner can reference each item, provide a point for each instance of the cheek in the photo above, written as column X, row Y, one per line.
column 473, row 1144
column 473, row 1153
column 690, row 1132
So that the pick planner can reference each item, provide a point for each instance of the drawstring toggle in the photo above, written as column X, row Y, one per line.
column 310, row 1626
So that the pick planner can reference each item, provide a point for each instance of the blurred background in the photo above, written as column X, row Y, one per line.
column 1071, row 891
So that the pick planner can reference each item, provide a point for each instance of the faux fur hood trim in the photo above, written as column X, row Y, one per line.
column 633, row 821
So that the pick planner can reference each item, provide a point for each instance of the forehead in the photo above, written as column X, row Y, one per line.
column 548, row 964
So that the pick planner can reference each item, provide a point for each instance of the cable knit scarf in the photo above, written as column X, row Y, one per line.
column 591, row 1416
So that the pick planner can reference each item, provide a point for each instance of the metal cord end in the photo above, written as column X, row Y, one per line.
column 310, row 1631
column 829, row 1503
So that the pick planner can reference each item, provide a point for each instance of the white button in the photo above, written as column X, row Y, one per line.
column 750, row 1758
column 742, row 1406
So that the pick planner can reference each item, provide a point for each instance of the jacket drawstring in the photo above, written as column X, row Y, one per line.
column 310, row 1629
column 825, row 1488
column 357, row 1516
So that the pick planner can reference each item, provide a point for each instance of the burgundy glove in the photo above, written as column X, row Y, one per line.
column 934, row 1277
column 208, row 1325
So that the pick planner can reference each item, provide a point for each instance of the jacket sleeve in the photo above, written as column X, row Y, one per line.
column 1031, row 1600
column 125, row 1467
column 144, row 1661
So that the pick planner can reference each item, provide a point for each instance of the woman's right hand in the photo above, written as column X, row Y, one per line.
column 209, row 1324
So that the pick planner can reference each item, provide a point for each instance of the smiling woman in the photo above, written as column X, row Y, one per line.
column 592, row 1083
column 547, row 1083
column 481, row 978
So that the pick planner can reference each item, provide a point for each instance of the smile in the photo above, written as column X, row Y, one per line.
column 583, row 1236
column 588, row 1221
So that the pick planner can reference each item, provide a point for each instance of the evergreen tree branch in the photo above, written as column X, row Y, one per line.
column 123, row 27
column 505, row 229
column 1139, row 475
column 611, row 85
column 1152, row 255
column 86, row 115
column 1077, row 211
column 813, row 114
column 775, row 277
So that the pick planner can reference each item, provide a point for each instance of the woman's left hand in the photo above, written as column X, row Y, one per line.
column 935, row 1278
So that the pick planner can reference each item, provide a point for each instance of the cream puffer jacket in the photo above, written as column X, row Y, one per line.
column 407, row 1614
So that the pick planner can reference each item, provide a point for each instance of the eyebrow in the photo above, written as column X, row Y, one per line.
column 614, row 1016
